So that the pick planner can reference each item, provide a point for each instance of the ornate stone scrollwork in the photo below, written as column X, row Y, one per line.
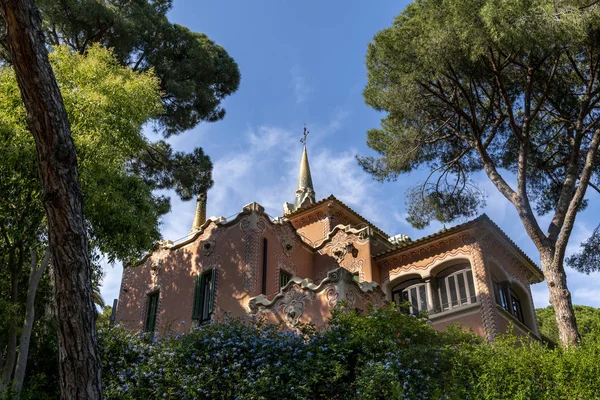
column 339, row 252
column 293, row 304
column 156, row 267
column 286, row 236
column 332, row 295
column 208, row 246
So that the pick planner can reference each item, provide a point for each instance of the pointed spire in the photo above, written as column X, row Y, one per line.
column 200, row 214
column 304, row 177
column 305, row 192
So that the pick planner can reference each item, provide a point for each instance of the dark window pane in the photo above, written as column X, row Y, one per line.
column 396, row 297
column 471, row 286
column 503, row 299
column 444, row 295
column 151, row 316
column 423, row 297
column 405, row 295
column 516, row 308
column 452, row 290
column 414, row 300
column 284, row 278
column 461, row 288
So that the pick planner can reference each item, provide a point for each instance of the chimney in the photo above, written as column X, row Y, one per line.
column 200, row 214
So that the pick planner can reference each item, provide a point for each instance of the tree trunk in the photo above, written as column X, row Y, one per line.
column 79, row 362
column 34, row 279
column 560, row 298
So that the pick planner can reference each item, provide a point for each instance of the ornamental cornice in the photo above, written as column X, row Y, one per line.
column 282, row 226
column 438, row 248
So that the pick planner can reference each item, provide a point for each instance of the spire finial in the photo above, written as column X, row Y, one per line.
column 305, row 193
column 306, row 132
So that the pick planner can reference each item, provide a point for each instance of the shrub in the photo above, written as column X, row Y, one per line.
column 385, row 354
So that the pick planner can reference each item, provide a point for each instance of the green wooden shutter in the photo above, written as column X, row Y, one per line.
column 152, row 308
column 197, row 311
column 212, row 291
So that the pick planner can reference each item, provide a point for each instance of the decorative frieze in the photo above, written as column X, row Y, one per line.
column 293, row 301
column 252, row 227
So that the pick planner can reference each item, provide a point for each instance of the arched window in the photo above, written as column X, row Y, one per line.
column 456, row 287
column 414, row 291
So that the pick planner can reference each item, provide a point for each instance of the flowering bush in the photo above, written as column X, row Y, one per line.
column 386, row 353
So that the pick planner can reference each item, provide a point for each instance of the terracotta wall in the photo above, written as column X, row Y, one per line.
column 285, row 251
column 235, row 249
column 468, row 321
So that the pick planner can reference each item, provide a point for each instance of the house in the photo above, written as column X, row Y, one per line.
column 295, row 268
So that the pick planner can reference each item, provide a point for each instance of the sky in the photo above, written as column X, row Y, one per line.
column 304, row 63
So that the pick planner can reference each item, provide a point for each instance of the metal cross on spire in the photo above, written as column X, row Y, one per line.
column 303, row 140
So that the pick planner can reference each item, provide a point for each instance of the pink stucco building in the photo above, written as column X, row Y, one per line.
column 297, row 267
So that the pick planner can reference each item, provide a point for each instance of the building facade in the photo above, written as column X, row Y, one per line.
column 296, row 268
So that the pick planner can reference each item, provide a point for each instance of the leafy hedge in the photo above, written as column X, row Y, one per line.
column 383, row 355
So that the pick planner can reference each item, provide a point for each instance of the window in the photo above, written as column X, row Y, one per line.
column 456, row 289
column 414, row 292
column 516, row 309
column 508, row 300
column 501, row 297
column 204, row 294
column 284, row 278
column 151, row 314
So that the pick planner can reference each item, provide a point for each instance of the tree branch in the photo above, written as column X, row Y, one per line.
column 571, row 214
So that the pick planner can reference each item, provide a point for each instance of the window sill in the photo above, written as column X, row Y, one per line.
column 520, row 325
column 454, row 311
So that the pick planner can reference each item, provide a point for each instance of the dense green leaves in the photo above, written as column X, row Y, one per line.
column 463, row 83
column 588, row 321
column 119, row 168
column 195, row 74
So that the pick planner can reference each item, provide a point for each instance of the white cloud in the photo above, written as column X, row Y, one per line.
column 299, row 84
column 111, row 283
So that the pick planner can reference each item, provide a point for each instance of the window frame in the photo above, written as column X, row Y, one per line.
column 502, row 299
column 151, row 311
column 204, row 295
column 421, row 297
column 284, row 278
column 449, row 284
column 516, row 307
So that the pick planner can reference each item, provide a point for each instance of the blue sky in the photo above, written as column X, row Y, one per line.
column 303, row 62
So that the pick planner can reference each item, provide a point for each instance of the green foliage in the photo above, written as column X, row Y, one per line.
column 588, row 258
column 512, row 368
column 588, row 321
column 195, row 74
column 464, row 83
column 107, row 105
column 383, row 355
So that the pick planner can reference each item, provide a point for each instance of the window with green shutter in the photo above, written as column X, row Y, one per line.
column 284, row 278
column 152, row 309
column 204, row 295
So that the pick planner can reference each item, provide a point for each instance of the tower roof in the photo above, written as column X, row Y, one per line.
column 304, row 177
column 305, row 192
